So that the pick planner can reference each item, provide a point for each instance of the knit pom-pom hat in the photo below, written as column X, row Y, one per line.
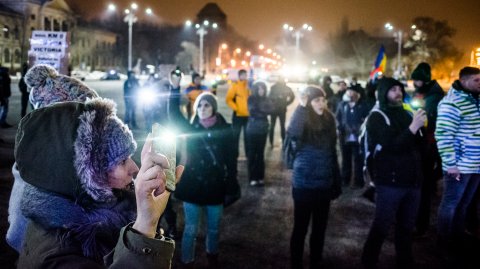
column 48, row 87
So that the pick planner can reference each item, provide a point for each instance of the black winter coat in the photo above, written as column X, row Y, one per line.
column 210, row 168
column 397, row 153
column 259, row 108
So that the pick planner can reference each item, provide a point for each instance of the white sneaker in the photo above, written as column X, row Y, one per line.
column 253, row 183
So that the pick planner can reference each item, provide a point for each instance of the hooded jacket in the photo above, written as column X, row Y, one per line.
column 237, row 98
column 315, row 166
column 75, row 219
column 397, row 159
column 259, row 107
column 458, row 130
column 210, row 167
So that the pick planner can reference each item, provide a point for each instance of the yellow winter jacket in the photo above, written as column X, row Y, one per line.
column 237, row 98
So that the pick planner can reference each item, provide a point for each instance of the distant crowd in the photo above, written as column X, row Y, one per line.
column 79, row 200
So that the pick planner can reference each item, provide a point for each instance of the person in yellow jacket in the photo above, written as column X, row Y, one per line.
column 193, row 91
column 237, row 97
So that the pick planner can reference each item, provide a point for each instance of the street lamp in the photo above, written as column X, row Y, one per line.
column 399, row 35
column 130, row 19
column 201, row 32
column 298, row 33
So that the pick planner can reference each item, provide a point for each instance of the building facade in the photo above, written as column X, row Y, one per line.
column 89, row 47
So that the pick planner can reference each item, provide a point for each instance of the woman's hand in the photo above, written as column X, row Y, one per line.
column 150, row 190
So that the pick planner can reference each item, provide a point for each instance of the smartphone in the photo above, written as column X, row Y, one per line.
column 164, row 142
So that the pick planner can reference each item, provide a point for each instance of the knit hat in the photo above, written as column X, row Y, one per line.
column 422, row 72
column 313, row 92
column 68, row 148
column 48, row 86
column 210, row 98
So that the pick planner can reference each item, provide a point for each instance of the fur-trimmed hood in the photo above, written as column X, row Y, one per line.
column 69, row 148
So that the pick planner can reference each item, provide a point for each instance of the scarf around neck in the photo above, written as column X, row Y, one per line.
column 208, row 122
column 95, row 227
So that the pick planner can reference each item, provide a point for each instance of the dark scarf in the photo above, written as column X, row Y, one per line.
column 95, row 227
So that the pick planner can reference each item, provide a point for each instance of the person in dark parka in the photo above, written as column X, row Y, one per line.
column 316, row 175
column 209, row 178
column 81, row 208
column 259, row 107
column 397, row 172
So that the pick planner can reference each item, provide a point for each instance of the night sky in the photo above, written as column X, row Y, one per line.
column 262, row 20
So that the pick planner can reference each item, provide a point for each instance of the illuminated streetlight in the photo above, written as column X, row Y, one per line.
column 261, row 46
column 201, row 32
column 224, row 46
column 399, row 35
column 111, row 7
column 248, row 53
column 238, row 50
column 298, row 33
column 130, row 19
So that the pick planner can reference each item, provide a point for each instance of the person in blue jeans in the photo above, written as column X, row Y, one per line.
column 397, row 172
column 208, row 179
column 457, row 141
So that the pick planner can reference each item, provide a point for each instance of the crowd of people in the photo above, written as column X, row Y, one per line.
column 96, row 208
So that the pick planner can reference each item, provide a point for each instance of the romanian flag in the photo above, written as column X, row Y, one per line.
column 380, row 64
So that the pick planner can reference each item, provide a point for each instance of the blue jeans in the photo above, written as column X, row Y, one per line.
column 3, row 110
column 457, row 196
column 192, row 221
column 394, row 205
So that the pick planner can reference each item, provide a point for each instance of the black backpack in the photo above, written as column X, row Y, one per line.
column 369, row 152
column 289, row 151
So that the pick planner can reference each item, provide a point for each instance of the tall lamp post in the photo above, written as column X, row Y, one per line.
column 399, row 35
column 297, row 33
column 130, row 19
column 201, row 32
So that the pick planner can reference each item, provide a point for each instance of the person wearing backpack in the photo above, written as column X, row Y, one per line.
column 316, row 175
column 397, row 172
column 351, row 114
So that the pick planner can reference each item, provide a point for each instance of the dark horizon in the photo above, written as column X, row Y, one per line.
column 262, row 20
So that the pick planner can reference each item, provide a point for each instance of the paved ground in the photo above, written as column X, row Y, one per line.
column 255, row 230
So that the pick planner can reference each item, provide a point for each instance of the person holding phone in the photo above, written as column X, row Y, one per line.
column 210, row 181
column 397, row 172
column 82, row 209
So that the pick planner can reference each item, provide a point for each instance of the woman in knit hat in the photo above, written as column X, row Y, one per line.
column 47, row 87
column 210, row 179
column 82, row 211
column 315, row 179
column 259, row 107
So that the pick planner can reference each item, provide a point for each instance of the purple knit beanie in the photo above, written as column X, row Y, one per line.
column 48, row 87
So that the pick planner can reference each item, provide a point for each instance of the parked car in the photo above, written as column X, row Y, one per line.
column 111, row 75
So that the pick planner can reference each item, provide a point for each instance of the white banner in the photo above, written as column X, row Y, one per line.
column 36, row 49
column 49, row 35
